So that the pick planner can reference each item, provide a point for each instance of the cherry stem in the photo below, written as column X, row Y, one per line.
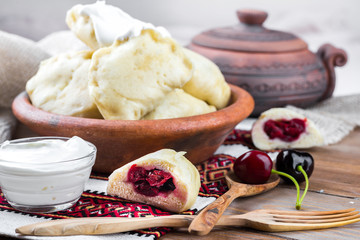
column 300, row 169
column 298, row 203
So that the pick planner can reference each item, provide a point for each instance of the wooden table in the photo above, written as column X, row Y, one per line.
column 335, row 184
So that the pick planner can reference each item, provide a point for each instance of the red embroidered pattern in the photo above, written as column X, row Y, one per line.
column 238, row 136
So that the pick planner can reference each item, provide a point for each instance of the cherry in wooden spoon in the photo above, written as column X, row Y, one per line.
column 208, row 217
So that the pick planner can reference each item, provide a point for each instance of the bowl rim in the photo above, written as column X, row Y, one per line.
column 241, row 105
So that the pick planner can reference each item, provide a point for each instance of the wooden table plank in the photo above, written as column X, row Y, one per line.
column 335, row 184
column 337, row 167
column 281, row 198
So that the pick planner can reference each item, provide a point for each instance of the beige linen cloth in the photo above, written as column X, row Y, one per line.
column 19, row 61
column 20, row 58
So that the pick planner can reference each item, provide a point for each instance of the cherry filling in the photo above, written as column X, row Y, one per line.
column 150, row 182
column 286, row 130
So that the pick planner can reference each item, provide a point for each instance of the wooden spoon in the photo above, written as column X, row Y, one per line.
column 208, row 217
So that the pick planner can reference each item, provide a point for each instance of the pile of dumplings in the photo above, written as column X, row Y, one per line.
column 143, row 76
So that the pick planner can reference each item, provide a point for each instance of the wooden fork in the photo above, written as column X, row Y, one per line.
column 264, row 219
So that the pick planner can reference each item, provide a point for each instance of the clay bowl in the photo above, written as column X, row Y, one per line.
column 121, row 141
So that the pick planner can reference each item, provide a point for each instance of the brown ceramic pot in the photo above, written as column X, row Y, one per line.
column 121, row 141
column 275, row 67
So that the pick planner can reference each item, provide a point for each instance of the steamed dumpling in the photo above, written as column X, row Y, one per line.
column 179, row 104
column 281, row 128
column 82, row 26
column 99, row 24
column 207, row 83
column 129, row 79
column 61, row 85
column 164, row 179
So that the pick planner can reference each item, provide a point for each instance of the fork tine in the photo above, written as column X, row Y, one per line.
column 310, row 213
column 283, row 227
column 314, row 221
column 313, row 217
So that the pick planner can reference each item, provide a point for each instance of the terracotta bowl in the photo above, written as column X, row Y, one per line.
column 121, row 141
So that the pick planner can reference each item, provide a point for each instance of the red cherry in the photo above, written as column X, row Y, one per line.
column 253, row 167
column 286, row 130
column 150, row 182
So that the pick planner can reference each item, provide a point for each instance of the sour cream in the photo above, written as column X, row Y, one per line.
column 45, row 174
column 111, row 23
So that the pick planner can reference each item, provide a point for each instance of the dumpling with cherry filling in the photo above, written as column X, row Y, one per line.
column 281, row 128
column 164, row 179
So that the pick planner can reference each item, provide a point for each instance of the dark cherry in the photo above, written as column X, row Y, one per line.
column 150, row 182
column 289, row 160
column 286, row 130
column 253, row 167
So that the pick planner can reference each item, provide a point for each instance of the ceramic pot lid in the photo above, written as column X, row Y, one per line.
column 250, row 36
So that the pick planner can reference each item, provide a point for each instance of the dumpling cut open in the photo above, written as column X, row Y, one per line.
column 164, row 179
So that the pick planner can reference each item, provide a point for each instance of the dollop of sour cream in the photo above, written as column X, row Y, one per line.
column 48, row 171
column 111, row 23
column 38, row 156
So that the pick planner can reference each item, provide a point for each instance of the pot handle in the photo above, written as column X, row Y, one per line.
column 251, row 16
column 331, row 57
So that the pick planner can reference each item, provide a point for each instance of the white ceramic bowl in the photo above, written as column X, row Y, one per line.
column 44, row 186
